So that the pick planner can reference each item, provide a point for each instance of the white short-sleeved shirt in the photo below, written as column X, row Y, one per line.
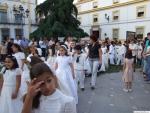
column 56, row 103
column 19, row 56
column 10, row 76
column 134, row 48
column 63, row 61
column 17, row 42
column 111, row 50
column 82, row 62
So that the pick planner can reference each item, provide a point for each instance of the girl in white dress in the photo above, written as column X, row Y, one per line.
column 43, row 96
column 51, row 55
column 10, row 101
column 65, row 73
column 31, row 62
column 33, row 52
column 20, row 56
column 104, row 49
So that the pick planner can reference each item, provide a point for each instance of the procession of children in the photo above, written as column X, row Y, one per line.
column 43, row 81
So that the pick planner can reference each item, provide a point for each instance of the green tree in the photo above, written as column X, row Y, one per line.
column 60, row 19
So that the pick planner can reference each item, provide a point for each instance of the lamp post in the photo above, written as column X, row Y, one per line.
column 20, row 14
column 107, row 17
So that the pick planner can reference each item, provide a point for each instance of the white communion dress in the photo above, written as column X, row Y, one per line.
column 19, row 57
column 56, row 103
column 103, row 68
column 7, row 104
column 65, row 79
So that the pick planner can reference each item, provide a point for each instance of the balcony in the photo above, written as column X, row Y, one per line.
column 8, row 21
column 4, row 21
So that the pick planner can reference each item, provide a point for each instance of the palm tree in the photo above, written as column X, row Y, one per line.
column 58, row 18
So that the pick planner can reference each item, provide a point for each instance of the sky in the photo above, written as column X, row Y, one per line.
column 40, row 1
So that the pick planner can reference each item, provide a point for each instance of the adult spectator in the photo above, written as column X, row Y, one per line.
column 17, row 40
column 112, row 53
column 3, row 51
column 9, row 46
column 133, row 47
column 147, row 57
column 24, row 43
column 95, row 58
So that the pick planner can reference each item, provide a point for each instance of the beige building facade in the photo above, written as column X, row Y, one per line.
column 10, row 23
column 114, row 18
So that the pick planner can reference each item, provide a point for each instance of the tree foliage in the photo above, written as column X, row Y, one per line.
column 60, row 19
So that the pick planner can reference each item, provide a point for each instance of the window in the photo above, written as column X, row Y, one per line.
column 3, row 17
column 95, row 18
column 5, row 33
column 140, row 12
column 115, row 1
column 95, row 4
column 18, row 18
column 115, row 33
column 115, row 15
column 140, row 32
column 19, row 32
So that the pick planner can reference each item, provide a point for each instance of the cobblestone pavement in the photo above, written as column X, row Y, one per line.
column 108, row 97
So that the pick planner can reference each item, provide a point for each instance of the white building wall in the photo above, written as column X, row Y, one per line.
column 127, row 20
column 27, row 27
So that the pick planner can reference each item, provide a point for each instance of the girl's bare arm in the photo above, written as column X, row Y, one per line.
column 33, row 89
column 1, row 83
column 56, row 66
column 72, row 69
column 18, row 83
column 27, row 107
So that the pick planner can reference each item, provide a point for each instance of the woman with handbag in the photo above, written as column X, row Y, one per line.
column 95, row 58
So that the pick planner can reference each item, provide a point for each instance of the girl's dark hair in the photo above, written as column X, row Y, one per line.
column 129, row 54
column 148, row 34
column 15, row 65
column 18, row 47
column 94, row 38
column 53, row 49
column 35, row 60
column 36, row 71
column 78, row 47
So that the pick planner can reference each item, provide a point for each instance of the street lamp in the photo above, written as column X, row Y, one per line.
column 107, row 17
column 20, row 14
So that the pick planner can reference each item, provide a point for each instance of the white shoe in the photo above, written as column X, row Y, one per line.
column 125, row 90
column 130, row 90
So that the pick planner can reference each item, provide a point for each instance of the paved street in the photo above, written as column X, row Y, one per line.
column 108, row 97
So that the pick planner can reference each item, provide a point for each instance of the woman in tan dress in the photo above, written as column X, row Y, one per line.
column 128, row 71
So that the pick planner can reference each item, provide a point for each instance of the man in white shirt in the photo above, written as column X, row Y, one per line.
column 17, row 40
column 121, row 53
column 111, row 53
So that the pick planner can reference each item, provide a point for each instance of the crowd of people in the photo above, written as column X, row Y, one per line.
column 43, row 76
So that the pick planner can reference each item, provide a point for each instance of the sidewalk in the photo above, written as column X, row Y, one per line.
column 108, row 97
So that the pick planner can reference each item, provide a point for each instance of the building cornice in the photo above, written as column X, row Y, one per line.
column 3, row 7
column 112, row 6
column 83, row 1
column 23, row 1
